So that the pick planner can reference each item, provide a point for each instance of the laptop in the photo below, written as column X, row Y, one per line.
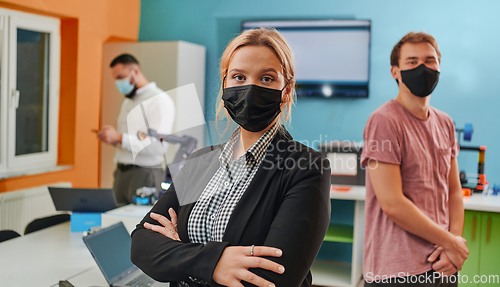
column 83, row 199
column 110, row 248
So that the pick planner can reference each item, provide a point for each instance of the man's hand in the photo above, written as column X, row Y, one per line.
column 457, row 251
column 109, row 135
column 441, row 263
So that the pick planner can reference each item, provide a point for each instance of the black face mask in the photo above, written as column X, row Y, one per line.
column 421, row 81
column 252, row 107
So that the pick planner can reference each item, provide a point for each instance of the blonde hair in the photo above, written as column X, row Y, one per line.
column 266, row 37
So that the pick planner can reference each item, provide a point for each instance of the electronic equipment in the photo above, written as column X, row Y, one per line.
column 332, row 57
column 345, row 165
column 479, row 182
column 187, row 146
column 110, row 248
column 83, row 199
column 144, row 196
column 475, row 182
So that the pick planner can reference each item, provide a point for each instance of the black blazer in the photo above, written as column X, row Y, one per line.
column 286, row 205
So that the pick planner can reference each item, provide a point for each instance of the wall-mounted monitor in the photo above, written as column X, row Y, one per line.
column 332, row 57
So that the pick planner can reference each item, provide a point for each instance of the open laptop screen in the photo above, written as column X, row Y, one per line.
column 111, row 250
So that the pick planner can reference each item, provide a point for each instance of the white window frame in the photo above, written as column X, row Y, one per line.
column 4, row 40
column 10, row 21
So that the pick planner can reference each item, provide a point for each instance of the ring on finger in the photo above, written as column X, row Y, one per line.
column 251, row 250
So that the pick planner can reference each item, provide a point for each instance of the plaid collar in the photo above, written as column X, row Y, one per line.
column 255, row 152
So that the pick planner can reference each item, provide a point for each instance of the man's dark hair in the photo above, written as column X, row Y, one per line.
column 413, row 38
column 124, row 59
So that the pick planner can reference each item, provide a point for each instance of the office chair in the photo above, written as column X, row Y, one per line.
column 45, row 222
column 8, row 234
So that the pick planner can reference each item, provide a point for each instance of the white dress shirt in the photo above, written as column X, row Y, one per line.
column 150, row 107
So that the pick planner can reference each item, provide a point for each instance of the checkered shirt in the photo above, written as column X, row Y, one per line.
column 211, row 213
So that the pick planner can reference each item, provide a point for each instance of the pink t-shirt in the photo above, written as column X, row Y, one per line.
column 423, row 149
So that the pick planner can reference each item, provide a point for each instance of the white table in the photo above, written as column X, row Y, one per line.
column 482, row 202
column 89, row 278
column 348, row 192
column 477, row 201
column 44, row 257
column 130, row 215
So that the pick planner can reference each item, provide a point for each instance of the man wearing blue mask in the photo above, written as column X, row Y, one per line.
column 136, row 169
column 414, row 209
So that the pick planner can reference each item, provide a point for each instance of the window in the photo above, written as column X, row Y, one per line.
column 29, row 90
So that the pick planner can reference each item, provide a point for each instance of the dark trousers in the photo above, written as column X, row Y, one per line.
column 130, row 178
column 426, row 279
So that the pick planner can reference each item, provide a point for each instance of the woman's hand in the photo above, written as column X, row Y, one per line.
column 169, row 228
column 235, row 261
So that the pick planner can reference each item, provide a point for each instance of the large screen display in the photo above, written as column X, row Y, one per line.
column 332, row 57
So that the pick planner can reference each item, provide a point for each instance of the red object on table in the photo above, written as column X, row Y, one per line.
column 466, row 192
column 341, row 188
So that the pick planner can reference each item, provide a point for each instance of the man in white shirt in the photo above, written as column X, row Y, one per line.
column 139, row 158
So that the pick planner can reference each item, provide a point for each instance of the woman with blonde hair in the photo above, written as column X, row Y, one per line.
column 252, row 211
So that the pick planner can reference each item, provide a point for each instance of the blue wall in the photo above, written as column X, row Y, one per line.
column 467, row 32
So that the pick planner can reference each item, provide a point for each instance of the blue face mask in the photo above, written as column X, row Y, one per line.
column 125, row 87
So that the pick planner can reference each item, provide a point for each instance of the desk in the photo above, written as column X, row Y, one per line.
column 481, row 202
column 477, row 201
column 130, row 215
column 44, row 257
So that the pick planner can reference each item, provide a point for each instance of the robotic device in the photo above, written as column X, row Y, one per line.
column 479, row 184
column 146, row 195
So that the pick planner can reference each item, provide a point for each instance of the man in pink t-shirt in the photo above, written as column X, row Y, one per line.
column 414, row 212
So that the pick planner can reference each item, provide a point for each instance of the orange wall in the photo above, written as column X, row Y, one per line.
column 85, row 26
